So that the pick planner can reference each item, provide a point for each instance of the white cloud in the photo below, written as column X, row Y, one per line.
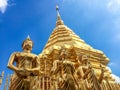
column 112, row 64
column 117, row 78
column 3, row 5
column 113, row 6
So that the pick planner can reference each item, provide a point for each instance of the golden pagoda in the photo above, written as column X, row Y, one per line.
column 66, row 63
column 63, row 36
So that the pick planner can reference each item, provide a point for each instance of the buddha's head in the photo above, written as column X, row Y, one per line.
column 27, row 44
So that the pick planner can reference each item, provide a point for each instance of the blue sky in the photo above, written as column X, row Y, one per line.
column 95, row 21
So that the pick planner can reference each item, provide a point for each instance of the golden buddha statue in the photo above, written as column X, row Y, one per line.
column 65, row 72
column 86, row 75
column 26, row 67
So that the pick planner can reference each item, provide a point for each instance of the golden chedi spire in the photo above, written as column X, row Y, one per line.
column 62, row 33
column 59, row 20
column 64, row 36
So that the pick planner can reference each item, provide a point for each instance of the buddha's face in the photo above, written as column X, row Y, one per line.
column 27, row 45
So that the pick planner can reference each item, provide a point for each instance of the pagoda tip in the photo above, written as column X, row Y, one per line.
column 59, row 20
column 57, row 7
column 28, row 37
